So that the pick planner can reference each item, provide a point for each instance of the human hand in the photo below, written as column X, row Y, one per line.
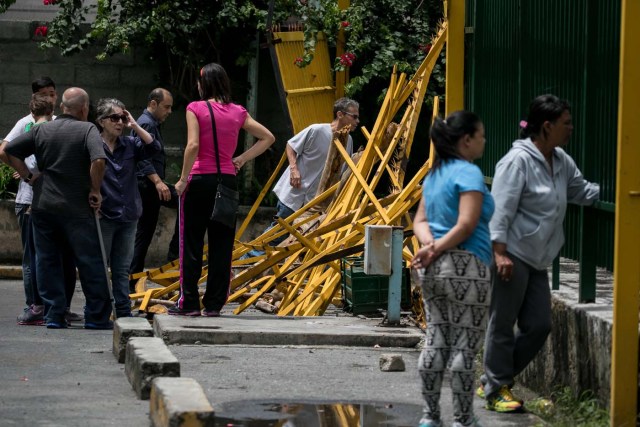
column 95, row 199
column 131, row 122
column 16, row 175
column 33, row 179
column 238, row 162
column 425, row 255
column 180, row 187
column 504, row 266
column 295, row 179
column 163, row 191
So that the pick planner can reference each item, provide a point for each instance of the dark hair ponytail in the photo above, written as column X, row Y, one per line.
column 214, row 83
column 445, row 134
column 544, row 108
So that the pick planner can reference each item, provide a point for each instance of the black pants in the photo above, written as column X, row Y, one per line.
column 197, row 204
column 147, row 225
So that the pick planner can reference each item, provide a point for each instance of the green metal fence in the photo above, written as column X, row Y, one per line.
column 518, row 49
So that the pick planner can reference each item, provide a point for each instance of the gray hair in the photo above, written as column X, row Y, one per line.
column 106, row 105
column 343, row 104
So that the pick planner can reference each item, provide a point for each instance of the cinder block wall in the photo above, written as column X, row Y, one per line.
column 129, row 78
column 11, row 249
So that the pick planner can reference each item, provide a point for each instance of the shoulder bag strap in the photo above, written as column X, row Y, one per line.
column 215, row 139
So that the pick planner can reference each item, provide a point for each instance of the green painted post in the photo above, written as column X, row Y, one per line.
column 588, row 242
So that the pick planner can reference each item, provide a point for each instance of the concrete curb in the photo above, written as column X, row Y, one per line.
column 125, row 328
column 253, row 330
column 179, row 402
column 146, row 359
column 11, row 272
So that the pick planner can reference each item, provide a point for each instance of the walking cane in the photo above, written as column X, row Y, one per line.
column 104, row 262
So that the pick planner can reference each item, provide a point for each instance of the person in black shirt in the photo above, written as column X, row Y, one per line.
column 151, row 173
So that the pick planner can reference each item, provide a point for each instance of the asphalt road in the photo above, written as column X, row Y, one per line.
column 65, row 377
column 70, row 378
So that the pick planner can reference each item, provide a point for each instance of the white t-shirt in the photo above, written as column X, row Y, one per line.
column 25, row 192
column 311, row 146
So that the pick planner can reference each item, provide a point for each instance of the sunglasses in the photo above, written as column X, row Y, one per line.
column 355, row 116
column 116, row 117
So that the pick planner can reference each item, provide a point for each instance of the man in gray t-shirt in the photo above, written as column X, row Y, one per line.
column 307, row 153
column 71, row 159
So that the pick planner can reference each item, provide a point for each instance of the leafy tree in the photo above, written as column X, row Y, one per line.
column 379, row 33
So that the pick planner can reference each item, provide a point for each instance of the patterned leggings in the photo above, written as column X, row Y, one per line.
column 456, row 292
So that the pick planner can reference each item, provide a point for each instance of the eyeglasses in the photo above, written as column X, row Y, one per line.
column 116, row 117
column 355, row 116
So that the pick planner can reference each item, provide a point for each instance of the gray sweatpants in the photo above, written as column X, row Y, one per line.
column 456, row 292
column 525, row 299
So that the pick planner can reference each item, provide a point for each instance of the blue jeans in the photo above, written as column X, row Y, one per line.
column 28, row 256
column 282, row 211
column 119, row 240
column 51, row 232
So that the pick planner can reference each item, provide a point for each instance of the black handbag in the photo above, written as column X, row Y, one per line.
column 227, row 199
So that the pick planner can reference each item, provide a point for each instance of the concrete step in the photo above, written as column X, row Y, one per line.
column 273, row 330
column 146, row 359
column 125, row 328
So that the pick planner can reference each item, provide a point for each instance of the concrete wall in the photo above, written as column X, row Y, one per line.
column 11, row 249
column 577, row 354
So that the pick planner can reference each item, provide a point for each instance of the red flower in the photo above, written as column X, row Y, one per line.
column 425, row 48
column 49, row 2
column 298, row 61
column 345, row 24
column 346, row 59
column 41, row 31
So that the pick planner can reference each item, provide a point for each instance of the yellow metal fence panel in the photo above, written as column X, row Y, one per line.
column 310, row 91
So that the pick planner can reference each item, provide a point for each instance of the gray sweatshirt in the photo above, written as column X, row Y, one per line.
column 531, row 204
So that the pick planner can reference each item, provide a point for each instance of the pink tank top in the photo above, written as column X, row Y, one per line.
column 229, row 120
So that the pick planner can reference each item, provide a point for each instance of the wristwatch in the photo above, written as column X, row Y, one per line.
column 28, row 178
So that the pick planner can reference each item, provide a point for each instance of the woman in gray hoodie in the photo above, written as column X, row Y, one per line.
column 532, row 185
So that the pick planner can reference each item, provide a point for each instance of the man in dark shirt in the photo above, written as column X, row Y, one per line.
column 71, row 158
column 151, row 173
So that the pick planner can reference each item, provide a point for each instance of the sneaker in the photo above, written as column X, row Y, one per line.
column 427, row 422
column 177, row 311
column 211, row 313
column 56, row 325
column 33, row 315
column 99, row 326
column 70, row 316
column 474, row 423
column 503, row 401
column 481, row 395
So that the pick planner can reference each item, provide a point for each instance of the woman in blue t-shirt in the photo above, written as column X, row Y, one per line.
column 452, row 225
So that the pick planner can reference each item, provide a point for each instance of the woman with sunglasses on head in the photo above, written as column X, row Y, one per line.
column 452, row 225
column 213, row 121
column 121, row 204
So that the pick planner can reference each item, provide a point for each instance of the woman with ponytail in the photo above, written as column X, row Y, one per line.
column 213, row 127
column 452, row 225
column 532, row 184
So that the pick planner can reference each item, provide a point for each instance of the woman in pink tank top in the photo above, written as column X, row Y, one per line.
column 197, row 188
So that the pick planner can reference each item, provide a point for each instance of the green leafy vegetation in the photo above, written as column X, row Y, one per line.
column 189, row 33
column 8, row 185
column 569, row 410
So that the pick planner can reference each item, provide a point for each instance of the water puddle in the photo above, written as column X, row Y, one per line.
column 316, row 414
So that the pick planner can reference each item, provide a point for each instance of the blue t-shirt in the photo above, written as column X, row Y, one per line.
column 441, row 191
